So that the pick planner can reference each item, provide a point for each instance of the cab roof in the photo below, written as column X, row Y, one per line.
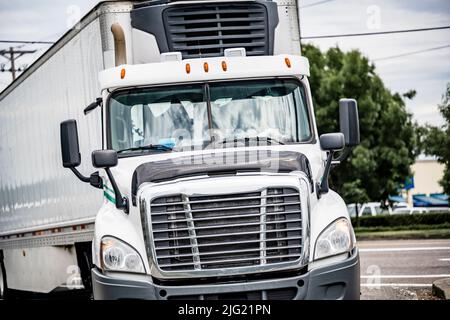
column 203, row 69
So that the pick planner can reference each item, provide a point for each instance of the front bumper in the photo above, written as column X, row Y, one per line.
column 333, row 282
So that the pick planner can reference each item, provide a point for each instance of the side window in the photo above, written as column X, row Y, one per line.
column 302, row 115
column 120, row 126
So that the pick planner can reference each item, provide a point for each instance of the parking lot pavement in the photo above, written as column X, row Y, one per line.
column 402, row 269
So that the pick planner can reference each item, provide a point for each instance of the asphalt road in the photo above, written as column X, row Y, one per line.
column 390, row 270
column 402, row 269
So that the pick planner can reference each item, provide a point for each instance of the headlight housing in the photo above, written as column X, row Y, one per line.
column 337, row 238
column 117, row 255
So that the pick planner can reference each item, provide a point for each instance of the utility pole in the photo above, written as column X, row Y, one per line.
column 13, row 54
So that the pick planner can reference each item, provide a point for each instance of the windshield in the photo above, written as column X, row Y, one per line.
column 201, row 115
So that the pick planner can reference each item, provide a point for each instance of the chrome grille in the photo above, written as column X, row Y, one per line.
column 253, row 229
column 206, row 30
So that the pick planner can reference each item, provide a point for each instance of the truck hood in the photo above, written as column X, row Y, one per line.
column 219, row 163
column 132, row 172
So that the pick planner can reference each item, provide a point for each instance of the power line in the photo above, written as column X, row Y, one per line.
column 42, row 41
column 27, row 41
column 375, row 33
column 412, row 52
column 315, row 4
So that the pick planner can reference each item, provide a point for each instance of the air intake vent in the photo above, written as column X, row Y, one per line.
column 206, row 30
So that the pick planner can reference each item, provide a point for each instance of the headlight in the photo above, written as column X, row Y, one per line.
column 335, row 239
column 118, row 256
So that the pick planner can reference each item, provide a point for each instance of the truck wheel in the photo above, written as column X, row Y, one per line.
column 84, row 257
column 3, row 285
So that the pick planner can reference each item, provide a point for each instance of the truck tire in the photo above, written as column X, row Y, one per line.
column 3, row 284
column 84, row 257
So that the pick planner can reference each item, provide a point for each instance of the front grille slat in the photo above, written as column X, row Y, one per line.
column 221, row 200
column 213, row 232
column 226, row 217
column 272, row 214
column 230, row 234
column 226, row 208
column 222, row 261
column 207, row 30
column 262, row 223
column 229, row 243
column 226, row 252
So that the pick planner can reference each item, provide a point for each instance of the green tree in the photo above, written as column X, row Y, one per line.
column 381, row 163
column 436, row 141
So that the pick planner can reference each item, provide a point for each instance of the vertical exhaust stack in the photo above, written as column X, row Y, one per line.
column 120, row 48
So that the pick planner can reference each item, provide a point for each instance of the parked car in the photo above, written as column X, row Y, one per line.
column 368, row 209
column 410, row 210
column 439, row 209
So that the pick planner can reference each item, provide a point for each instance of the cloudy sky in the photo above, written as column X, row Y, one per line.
column 427, row 72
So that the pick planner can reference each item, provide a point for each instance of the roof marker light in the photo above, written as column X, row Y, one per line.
column 224, row 66
column 205, row 67
column 188, row 68
column 288, row 62
column 122, row 73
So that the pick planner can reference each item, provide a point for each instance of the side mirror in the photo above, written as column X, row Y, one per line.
column 70, row 149
column 107, row 159
column 349, row 121
column 104, row 158
column 332, row 141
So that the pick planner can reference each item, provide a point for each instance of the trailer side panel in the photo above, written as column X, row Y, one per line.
column 36, row 192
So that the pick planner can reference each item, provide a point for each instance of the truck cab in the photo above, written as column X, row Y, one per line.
column 214, row 176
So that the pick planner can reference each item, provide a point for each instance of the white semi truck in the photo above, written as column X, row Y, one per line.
column 212, row 178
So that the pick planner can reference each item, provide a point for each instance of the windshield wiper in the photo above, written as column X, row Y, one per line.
column 247, row 139
column 160, row 147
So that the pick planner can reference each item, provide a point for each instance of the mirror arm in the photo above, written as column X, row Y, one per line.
column 121, row 202
column 323, row 187
column 94, row 179
column 79, row 175
column 344, row 154
column 93, row 105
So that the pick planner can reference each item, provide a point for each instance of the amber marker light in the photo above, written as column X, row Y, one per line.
column 288, row 62
column 188, row 68
column 206, row 67
column 122, row 73
column 224, row 66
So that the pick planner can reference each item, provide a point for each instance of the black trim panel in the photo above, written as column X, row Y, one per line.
column 218, row 163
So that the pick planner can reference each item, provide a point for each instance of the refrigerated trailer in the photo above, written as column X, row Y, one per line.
column 169, row 150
